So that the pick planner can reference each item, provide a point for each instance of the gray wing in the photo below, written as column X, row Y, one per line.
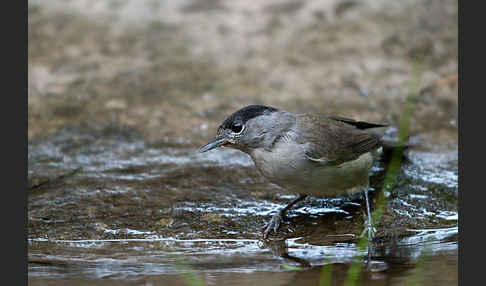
column 334, row 141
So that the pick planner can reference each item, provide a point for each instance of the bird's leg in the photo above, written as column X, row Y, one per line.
column 274, row 223
column 368, row 225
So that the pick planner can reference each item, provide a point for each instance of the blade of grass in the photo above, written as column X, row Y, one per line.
column 418, row 273
column 189, row 275
column 393, row 168
column 326, row 275
column 291, row 267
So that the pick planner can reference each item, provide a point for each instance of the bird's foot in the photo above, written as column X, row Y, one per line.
column 368, row 225
column 370, row 229
column 273, row 224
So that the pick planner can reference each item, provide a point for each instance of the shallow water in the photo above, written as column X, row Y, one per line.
column 104, row 204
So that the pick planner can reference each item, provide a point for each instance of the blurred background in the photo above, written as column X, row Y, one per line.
column 121, row 93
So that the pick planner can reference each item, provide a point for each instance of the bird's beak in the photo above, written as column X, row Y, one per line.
column 216, row 142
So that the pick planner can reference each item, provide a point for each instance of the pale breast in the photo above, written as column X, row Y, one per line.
column 287, row 167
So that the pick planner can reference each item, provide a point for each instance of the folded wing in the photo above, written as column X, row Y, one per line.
column 335, row 140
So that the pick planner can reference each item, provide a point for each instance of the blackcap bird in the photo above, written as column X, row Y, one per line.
column 304, row 154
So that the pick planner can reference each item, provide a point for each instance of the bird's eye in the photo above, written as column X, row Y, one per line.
column 236, row 127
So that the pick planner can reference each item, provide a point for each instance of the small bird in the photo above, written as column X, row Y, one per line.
column 302, row 153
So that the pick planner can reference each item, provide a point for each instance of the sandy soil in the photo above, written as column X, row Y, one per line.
column 175, row 69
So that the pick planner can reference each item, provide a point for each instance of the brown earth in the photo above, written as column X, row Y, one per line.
column 175, row 70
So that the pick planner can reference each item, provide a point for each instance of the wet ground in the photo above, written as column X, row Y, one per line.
column 123, row 93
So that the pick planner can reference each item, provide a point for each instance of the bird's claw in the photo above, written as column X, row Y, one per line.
column 370, row 229
column 273, row 224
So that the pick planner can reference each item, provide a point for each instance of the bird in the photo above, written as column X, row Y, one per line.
column 305, row 154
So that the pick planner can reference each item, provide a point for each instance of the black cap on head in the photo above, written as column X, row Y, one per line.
column 246, row 113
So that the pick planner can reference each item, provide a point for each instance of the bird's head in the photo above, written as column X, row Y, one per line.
column 248, row 128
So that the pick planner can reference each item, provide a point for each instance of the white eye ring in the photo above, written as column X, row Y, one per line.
column 237, row 125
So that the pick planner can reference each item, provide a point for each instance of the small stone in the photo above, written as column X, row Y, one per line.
column 211, row 217
column 116, row 104
column 165, row 222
